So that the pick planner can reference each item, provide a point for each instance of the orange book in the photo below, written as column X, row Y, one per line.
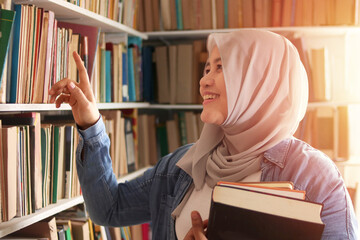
column 286, row 13
column 276, row 13
column 345, row 12
column 234, row 10
column 248, row 13
column 307, row 12
column 220, row 11
column 149, row 26
column 298, row 21
column 319, row 12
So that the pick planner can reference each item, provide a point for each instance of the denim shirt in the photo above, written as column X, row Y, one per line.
column 154, row 195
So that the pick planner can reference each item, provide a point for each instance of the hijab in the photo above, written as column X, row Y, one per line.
column 267, row 95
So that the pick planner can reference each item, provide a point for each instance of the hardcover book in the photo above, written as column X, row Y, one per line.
column 239, row 213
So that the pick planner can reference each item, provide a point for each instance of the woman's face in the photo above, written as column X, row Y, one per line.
column 213, row 90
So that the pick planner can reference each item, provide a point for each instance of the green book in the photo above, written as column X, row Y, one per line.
column 162, row 143
column 55, row 162
column 182, row 127
column 6, row 22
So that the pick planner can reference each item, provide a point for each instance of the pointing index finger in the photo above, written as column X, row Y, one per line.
column 81, row 68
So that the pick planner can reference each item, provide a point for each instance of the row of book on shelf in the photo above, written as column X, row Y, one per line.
column 124, row 11
column 38, row 161
column 220, row 14
column 333, row 130
column 37, row 53
column 37, row 164
column 74, row 224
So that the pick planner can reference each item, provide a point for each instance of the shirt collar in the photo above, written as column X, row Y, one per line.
column 277, row 154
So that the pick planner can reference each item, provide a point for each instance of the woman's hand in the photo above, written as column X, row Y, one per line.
column 78, row 95
column 197, row 232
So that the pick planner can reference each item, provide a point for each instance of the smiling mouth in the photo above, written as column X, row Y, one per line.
column 210, row 96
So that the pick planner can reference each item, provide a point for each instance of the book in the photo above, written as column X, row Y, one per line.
column 237, row 213
column 199, row 47
column 172, row 54
column 281, row 188
column 162, row 70
column 248, row 13
column 6, row 24
column 286, row 13
column 184, row 79
column 31, row 119
column 187, row 14
column 92, row 33
column 80, row 230
column 144, row 141
column 276, row 13
column 321, row 82
column 207, row 13
column 130, row 145
column 155, row 5
column 9, row 171
column 234, row 13
column 179, row 15
column 108, row 76
column 42, row 229
column 220, row 14
column 349, row 131
column 149, row 26
column 15, row 53
column 173, row 135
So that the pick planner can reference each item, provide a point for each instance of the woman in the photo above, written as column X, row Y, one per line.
column 255, row 94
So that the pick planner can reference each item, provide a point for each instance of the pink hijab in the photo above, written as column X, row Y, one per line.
column 267, row 95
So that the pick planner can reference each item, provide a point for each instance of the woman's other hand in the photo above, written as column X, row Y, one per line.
column 78, row 95
column 197, row 232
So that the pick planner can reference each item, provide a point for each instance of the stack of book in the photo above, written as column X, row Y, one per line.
column 262, row 211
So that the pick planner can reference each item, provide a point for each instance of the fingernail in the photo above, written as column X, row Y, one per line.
column 194, row 215
column 72, row 85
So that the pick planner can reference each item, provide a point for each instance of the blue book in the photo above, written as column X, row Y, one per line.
column 125, row 77
column 179, row 20
column 226, row 14
column 148, row 73
column 135, row 45
column 15, row 54
column 103, row 75
column 108, row 76
column 131, row 76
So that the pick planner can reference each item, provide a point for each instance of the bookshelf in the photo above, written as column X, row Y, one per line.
column 195, row 34
column 68, row 12
column 18, row 223
column 65, row 107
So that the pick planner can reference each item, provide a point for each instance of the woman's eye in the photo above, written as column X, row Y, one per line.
column 206, row 71
column 219, row 66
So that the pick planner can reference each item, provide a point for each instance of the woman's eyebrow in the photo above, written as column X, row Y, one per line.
column 215, row 61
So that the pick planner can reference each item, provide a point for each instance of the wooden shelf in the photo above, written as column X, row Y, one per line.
column 330, row 104
column 65, row 107
column 192, row 34
column 69, row 12
column 18, row 223
column 176, row 106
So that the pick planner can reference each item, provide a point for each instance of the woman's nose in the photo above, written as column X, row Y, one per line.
column 206, row 80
